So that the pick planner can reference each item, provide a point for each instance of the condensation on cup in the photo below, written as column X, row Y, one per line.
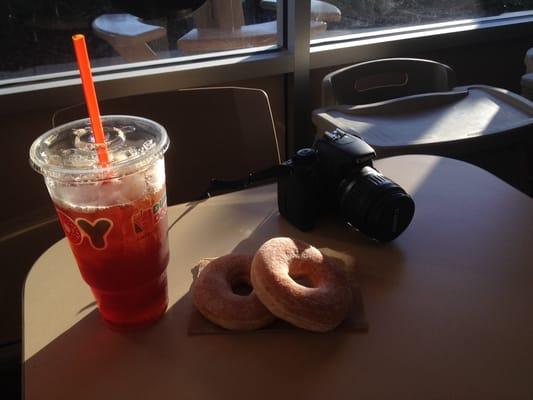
column 114, row 216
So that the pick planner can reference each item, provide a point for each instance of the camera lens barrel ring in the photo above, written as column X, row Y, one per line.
column 376, row 206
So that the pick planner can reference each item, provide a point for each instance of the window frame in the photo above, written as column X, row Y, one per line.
column 294, row 59
column 393, row 41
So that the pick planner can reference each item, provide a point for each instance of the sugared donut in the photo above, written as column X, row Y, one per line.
column 297, row 283
column 215, row 298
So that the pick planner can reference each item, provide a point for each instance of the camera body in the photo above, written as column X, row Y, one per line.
column 337, row 177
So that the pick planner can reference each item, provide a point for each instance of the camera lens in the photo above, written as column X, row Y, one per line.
column 375, row 205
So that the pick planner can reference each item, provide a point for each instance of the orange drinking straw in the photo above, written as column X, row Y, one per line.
column 90, row 97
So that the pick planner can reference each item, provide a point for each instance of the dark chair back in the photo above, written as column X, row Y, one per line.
column 385, row 79
column 220, row 133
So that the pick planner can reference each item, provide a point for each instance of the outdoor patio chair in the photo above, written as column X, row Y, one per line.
column 320, row 10
column 220, row 27
column 128, row 35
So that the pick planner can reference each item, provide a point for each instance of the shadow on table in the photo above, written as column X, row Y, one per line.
column 89, row 360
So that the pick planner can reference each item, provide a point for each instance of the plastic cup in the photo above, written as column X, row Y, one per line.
column 114, row 216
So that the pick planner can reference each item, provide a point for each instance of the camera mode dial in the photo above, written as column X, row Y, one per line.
column 305, row 156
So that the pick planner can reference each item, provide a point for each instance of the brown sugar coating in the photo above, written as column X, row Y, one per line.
column 214, row 294
column 297, row 283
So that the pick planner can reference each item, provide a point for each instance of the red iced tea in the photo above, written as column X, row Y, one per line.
column 122, row 253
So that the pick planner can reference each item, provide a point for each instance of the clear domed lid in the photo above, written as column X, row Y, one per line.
column 69, row 153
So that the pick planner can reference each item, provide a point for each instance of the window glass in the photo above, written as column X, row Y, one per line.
column 36, row 33
column 355, row 16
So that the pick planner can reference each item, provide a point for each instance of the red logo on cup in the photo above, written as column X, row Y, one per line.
column 69, row 227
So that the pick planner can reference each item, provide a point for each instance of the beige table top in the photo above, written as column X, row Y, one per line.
column 449, row 305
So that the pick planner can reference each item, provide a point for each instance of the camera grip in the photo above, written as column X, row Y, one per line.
column 298, row 198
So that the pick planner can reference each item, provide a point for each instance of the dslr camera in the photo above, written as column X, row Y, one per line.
column 336, row 177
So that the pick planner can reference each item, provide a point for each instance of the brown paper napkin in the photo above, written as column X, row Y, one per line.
column 355, row 321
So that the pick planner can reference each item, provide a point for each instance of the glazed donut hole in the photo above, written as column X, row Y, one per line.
column 240, row 285
column 304, row 273
column 232, row 282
